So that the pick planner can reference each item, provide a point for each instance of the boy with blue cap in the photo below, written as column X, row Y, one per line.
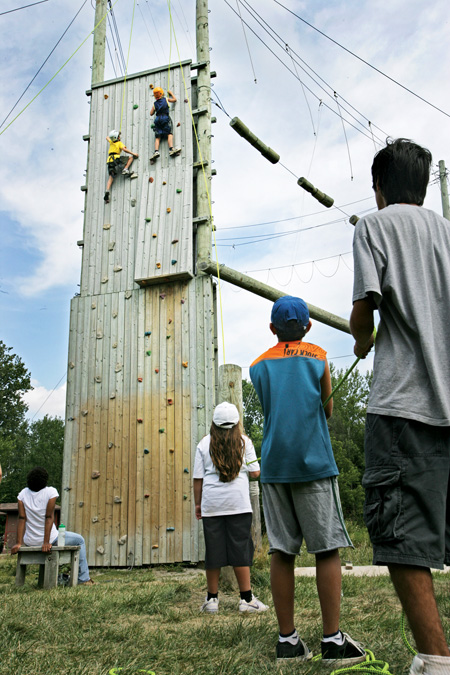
column 299, row 480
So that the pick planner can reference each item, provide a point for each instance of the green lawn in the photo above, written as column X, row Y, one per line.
column 148, row 619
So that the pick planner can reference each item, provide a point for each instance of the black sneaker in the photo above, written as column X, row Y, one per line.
column 106, row 197
column 346, row 654
column 286, row 650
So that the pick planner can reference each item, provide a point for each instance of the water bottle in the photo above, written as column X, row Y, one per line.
column 62, row 535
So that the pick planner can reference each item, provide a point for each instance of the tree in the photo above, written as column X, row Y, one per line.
column 46, row 446
column 14, row 382
column 253, row 415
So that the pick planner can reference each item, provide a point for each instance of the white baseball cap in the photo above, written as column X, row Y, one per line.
column 226, row 415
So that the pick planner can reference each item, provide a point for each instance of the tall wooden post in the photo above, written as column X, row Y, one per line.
column 444, row 189
column 203, row 130
column 98, row 54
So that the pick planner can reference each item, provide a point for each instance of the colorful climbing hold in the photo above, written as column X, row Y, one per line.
column 140, row 420
column 186, row 470
column 151, row 86
column 147, row 333
column 95, row 474
column 164, row 182
column 146, row 496
column 179, row 190
column 106, row 96
column 154, row 235
column 170, row 529
column 149, row 352
column 156, row 370
column 135, row 107
column 174, row 241
column 146, row 451
column 171, row 450
column 169, row 401
column 148, row 220
column 151, row 179
column 158, row 266
column 173, row 261
column 139, row 379
column 179, row 124
column 167, row 337
column 162, row 296
column 168, row 209
column 184, row 364
column 185, row 497
column 161, row 431
column 182, row 301
column 155, row 546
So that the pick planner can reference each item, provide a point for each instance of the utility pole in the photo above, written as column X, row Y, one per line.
column 203, row 130
column 444, row 189
column 98, row 54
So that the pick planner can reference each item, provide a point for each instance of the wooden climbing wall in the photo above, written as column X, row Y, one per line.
column 142, row 353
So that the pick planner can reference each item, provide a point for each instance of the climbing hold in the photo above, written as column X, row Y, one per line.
column 173, row 261
column 87, row 446
column 114, row 314
column 186, row 470
column 179, row 124
column 117, row 500
column 139, row 379
column 98, row 379
column 185, row 497
column 182, row 301
column 152, row 126
column 67, row 489
column 186, row 100
column 156, row 370
column 95, row 474
column 158, row 265
column 105, row 280
column 71, row 419
column 112, row 396
column 122, row 540
column 167, row 337
column 118, row 367
column 146, row 496
column 110, row 444
column 151, row 179
column 146, row 451
column 95, row 519
column 179, row 190
column 111, row 245
column 151, row 86
column 84, row 412
column 93, row 306
column 71, row 365
column 174, row 241
column 140, row 420
column 100, row 550
column 99, row 335
column 170, row 529
column 148, row 220
column 133, row 202
column 147, row 333
column 164, row 182
column 154, row 235
column 80, row 503
column 106, row 226
column 184, row 364
column 135, row 107
column 171, row 450
column 118, row 268
column 168, row 209
column 155, row 546
column 169, row 401
column 106, row 96
column 162, row 296
column 114, row 345
column 148, row 352
column 170, row 321
column 161, row 431
column 128, row 295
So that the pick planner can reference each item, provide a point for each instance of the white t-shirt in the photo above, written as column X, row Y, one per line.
column 224, row 499
column 35, row 504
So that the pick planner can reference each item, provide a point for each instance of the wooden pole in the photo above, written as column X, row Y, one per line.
column 444, row 189
column 270, row 293
column 203, row 130
column 98, row 54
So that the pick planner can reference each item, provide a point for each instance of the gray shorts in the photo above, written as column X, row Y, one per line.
column 407, row 506
column 310, row 511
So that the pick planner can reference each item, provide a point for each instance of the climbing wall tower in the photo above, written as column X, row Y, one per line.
column 142, row 346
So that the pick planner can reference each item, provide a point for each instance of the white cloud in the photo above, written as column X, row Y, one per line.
column 41, row 401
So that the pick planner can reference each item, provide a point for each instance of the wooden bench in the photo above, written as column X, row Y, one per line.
column 48, row 564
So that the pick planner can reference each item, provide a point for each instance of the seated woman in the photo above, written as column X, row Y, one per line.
column 36, row 520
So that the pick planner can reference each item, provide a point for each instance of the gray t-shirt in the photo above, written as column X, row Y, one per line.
column 402, row 256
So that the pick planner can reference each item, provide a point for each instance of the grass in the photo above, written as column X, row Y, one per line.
column 148, row 620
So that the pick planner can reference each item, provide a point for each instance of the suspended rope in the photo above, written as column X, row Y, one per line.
column 126, row 65
column 303, row 88
column 58, row 71
column 345, row 135
column 246, row 42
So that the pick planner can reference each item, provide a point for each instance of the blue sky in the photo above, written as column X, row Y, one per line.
column 44, row 156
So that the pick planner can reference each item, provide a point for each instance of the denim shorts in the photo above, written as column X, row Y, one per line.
column 407, row 505
column 310, row 511
column 228, row 540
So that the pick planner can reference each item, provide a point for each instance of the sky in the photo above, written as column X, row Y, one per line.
column 321, row 108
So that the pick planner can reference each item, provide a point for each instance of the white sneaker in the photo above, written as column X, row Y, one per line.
column 174, row 151
column 126, row 172
column 155, row 155
column 210, row 606
column 417, row 666
column 254, row 605
column 133, row 175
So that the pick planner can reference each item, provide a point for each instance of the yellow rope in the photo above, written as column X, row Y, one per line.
column 58, row 71
column 126, row 68
column 206, row 184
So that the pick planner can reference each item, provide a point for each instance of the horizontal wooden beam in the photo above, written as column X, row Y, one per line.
column 268, row 292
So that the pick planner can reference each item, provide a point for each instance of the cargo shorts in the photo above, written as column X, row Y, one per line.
column 406, row 481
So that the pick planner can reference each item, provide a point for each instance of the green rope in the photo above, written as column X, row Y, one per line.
column 403, row 632
column 371, row 665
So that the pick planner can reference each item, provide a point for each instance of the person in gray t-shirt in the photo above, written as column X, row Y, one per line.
column 402, row 269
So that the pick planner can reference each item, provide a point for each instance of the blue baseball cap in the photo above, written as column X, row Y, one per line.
column 289, row 308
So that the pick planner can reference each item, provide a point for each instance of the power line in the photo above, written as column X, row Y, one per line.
column 50, row 394
column 24, row 7
column 33, row 79
column 305, row 262
column 362, row 60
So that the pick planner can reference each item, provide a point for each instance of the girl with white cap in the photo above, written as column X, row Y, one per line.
column 224, row 461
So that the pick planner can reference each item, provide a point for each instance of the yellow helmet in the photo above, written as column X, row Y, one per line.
column 158, row 90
